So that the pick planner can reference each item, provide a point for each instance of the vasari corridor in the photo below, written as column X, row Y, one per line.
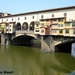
column 38, row 43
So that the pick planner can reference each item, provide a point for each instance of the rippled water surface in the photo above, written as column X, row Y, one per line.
column 20, row 60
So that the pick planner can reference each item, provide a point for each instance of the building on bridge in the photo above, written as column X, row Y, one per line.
column 58, row 21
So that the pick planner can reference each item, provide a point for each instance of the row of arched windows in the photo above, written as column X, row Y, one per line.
column 25, row 26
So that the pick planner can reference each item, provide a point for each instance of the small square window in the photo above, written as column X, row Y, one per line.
column 52, row 15
column 2, row 20
column 25, row 18
column 74, row 31
column 18, row 18
column 42, row 30
column 12, row 19
column 66, row 31
column 42, row 24
column 6, row 29
column 58, row 25
column 47, row 20
column 7, row 19
column 65, row 14
column 42, row 16
column 54, row 19
column 32, row 17
column 37, row 25
column 61, row 25
column 60, row 31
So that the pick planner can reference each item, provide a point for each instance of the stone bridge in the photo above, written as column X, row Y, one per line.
column 28, row 33
column 49, row 43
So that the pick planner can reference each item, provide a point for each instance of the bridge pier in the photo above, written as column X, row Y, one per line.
column 5, row 39
column 47, row 44
column 2, row 39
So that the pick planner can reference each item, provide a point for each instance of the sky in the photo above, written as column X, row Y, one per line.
column 23, row 6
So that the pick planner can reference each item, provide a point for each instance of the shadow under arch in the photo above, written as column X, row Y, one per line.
column 25, row 26
column 32, row 26
column 18, row 26
column 64, row 47
column 23, row 40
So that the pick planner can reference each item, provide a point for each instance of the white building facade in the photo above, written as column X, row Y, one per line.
column 31, row 17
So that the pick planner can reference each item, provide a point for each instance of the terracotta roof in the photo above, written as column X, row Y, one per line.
column 62, row 8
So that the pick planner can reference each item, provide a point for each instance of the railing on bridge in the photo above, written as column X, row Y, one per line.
column 23, row 32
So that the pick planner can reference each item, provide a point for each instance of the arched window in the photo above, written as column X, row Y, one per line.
column 25, row 26
column 32, row 26
column 18, row 26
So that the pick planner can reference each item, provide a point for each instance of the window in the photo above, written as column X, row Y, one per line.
column 2, row 20
column 10, row 29
column 47, row 20
column 37, row 25
column 74, row 31
column 7, row 19
column 67, row 24
column 60, row 20
column 42, row 16
column 7, row 25
column 12, row 19
column 42, row 20
column 25, row 18
column 10, row 25
column 54, row 24
column 18, row 18
column 65, row 14
column 58, row 25
column 55, row 31
column 73, row 24
column 61, row 25
column 54, row 20
column 6, row 29
column 67, row 31
column 52, row 15
column 32, row 17
column 42, row 24
column 50, row 30
column 42, row 30
column 60, row 31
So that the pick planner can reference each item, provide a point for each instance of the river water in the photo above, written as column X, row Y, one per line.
column 20, row 60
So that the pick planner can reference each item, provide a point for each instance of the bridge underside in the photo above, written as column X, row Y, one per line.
column 22, row 41
column 64, row 47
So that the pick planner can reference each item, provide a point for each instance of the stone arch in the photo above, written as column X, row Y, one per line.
column 25, row 26
column 32, row 26
column 18, row 26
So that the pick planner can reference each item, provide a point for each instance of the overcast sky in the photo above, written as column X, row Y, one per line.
column 22, row 6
